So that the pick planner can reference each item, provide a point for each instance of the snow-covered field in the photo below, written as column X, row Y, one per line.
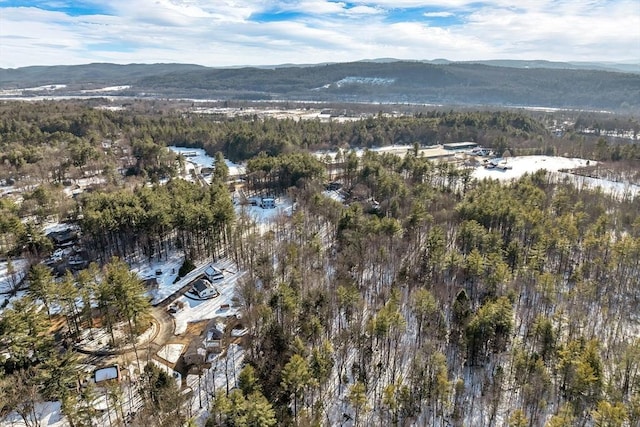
column 531, row 164
column 528, row 164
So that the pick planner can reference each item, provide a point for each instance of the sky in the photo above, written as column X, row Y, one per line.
column 221, row 33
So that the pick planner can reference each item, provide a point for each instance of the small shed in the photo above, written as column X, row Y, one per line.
column 213, row 341
column 214, row 274
column 151, row 283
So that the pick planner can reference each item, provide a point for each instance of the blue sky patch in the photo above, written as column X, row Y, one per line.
column 71, row 8
column 277, row 16
column 434, row 16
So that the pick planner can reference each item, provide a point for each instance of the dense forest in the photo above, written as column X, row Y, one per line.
column 425, row 298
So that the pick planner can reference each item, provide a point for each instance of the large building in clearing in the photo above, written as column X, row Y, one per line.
column 460, row 145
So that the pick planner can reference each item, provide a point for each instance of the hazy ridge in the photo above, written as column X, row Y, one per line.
column 499, row 82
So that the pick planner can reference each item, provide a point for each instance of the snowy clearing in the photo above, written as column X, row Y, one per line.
column 284, row 206
column 528, row 164
column 165, row 272
column 196, row 310
column 518, row 166
column 200, row 158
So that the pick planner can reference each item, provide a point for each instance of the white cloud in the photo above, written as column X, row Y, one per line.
column 222, row 33
column 364, row 10
column 438, row 14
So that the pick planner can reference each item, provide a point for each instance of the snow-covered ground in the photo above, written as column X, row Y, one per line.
column 171, row 352
column 48, row 413
column 528, row 164
column 99, row 339
column 398, row 150
column 196, row 310
column 45, row 87
column 284, row 206
column 618, row 189
column 10, row 279
column 518, row 166
column 165, row 272
column 106, row 89
column 199, row 158
column 531, row 164
column 214, row 379
column 334, row 195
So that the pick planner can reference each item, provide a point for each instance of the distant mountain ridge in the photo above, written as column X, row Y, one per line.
column 498, row 83
column 515, row 63
column 95, row 73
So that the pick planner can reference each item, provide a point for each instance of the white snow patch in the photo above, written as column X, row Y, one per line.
column 334, row 195
column 45, row 87
column 106, row 89
column 171, row 352
column 374, row 81
column 8, row 280
column 48, row 413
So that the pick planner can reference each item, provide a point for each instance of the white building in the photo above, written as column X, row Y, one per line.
column 214, row 274
column 204, row 289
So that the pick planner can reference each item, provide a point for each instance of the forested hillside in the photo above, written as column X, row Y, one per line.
column 414, row 295
column 414, row 82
